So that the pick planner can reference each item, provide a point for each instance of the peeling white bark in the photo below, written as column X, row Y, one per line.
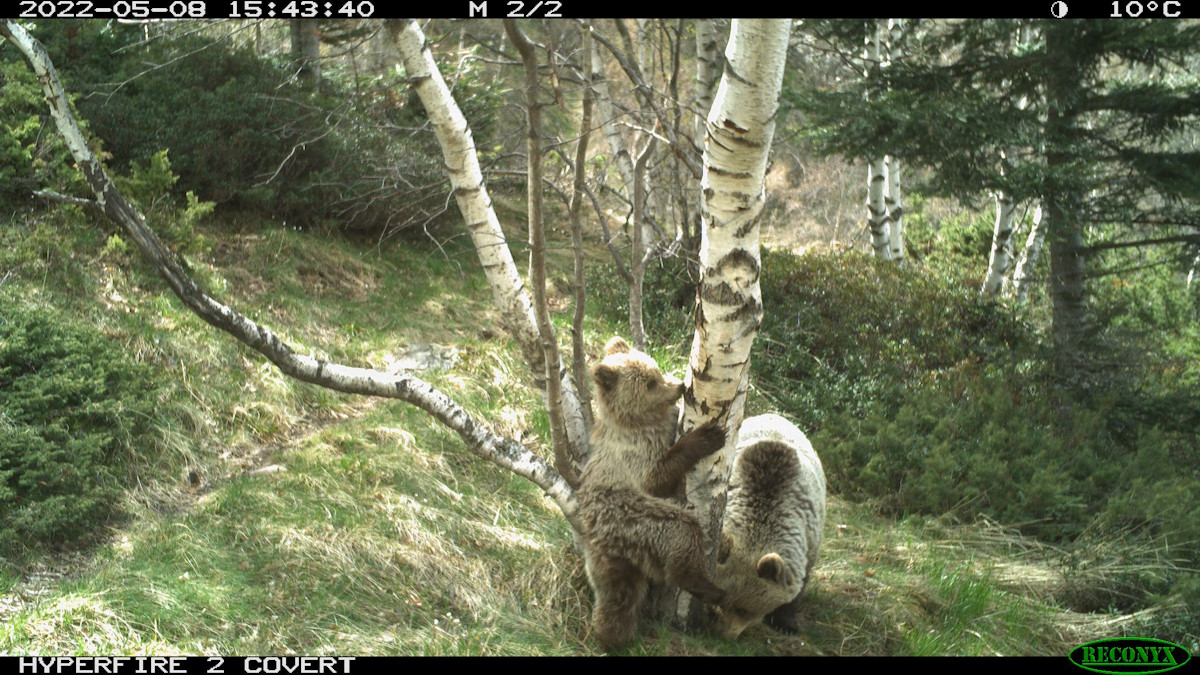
column 895, row 211
column 1000, row 258
column 479, row 440
column 729, row 311
column 1018, row 288
column 471, row 195
column 877, row 213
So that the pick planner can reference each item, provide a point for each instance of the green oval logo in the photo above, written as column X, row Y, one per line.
column 1125, row 655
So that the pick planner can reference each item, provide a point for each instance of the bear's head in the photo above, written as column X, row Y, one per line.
column 630, row 389
column 755, row 585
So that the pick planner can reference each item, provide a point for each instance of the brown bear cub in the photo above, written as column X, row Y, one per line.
column 632, row 532
column 773, row 526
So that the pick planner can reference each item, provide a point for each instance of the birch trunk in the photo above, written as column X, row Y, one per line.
column 895, row 211
column 707, row 59
column 1002, row 246
column 579, row 354
column 729, row 310
column 478, row 439
column 638, row 254
column 564, row 457
column 1018, row 287
column 462, row 165
column 616, row 141
column 1000, row 259
column 877, row 213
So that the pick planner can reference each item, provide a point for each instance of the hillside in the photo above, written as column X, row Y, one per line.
column 261, row 515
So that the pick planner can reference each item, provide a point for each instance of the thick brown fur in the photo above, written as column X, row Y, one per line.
column 773, row 526
column 632, row 532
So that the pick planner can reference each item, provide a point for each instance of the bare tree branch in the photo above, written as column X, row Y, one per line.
column 564, row 456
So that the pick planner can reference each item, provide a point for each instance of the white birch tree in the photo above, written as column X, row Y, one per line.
column 1017, row 288
column 1000, row 258
column 462, row 165
column 729, row 309
column 877, row 179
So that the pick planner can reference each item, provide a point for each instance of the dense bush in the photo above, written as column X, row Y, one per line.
column 925, row 400
column 31, row 156
column 842, row 332
column 72, row 406
column 240, row 131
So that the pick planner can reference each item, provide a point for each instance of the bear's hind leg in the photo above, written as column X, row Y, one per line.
column 620, row 587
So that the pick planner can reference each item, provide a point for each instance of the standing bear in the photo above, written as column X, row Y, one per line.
column 632, row 532
column 773, row 525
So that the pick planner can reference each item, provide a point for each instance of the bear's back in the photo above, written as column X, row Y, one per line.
column 777, row 491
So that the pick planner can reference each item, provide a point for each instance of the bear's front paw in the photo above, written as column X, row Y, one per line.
column 784, row 620
column 708, row 437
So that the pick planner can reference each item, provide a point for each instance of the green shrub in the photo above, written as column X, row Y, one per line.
column 31, row 155
column 241, row 132
column 149, row 187
column 72, row 407
column 924, row 400
column 842, row 331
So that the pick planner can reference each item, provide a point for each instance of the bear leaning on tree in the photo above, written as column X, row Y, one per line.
column 773, row 526
column 632, row 532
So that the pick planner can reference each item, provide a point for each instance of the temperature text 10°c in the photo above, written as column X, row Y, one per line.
column 1134, row 8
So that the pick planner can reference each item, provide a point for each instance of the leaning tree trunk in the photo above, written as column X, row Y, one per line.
column 616, row 142
column 462, row 164
column 478, row 439
column 729, row 304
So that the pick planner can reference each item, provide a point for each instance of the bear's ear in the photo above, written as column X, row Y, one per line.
column 726, row 548
column 617, row 345
column 606, row 377
column 772, row 568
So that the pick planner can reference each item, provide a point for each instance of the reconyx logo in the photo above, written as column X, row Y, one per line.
column 1129, row 655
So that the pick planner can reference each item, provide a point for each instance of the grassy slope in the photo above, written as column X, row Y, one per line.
column 381, row 535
